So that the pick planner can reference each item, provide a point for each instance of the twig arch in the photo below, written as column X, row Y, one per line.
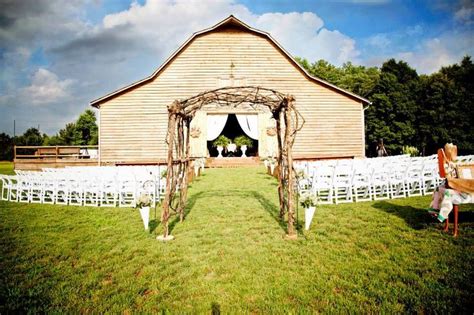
column 180, row 114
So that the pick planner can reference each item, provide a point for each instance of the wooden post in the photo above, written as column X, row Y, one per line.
column 281, row 180
column 456, row 214
column 166, row 204
column 180, row 166
column 289, row 174
column 184, row 188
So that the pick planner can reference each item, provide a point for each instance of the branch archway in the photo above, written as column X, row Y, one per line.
column 180, row 114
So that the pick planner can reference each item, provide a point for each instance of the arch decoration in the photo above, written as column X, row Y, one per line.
column 180, row 114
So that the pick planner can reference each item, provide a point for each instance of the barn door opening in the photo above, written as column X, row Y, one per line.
column 236, row 125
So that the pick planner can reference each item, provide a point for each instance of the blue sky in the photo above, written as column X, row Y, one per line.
column 57, row 55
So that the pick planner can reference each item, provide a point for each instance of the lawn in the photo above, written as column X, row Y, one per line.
column 229, row 255
column 6, row 168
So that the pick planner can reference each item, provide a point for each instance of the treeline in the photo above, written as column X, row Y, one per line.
column 423, row 111
column 83, row 131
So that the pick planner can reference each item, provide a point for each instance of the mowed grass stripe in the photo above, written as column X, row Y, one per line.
column 229, row 254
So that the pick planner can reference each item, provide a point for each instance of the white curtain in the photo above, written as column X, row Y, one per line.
column 215, row 125
column 249, row 124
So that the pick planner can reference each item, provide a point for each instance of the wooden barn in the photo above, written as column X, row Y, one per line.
column 133, row 120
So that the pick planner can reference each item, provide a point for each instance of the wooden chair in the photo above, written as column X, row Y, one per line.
column 442, row 174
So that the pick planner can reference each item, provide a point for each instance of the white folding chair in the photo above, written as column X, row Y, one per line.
column 127, row 192
column 76, row 191
column 108, row 192
column 396, row 180
column 36, row 187
column 322, row 184
column 361, row 184
column 24, row 187
column 62, row 190
column 380, row 184
column 342, row 183
column 90, row 191
column 49, row 188
column 413, row 177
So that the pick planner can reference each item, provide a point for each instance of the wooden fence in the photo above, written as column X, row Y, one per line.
column 38, row 157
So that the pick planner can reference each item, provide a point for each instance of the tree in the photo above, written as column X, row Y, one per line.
column 31, row 137
column 67, row 135
column 392, row 114
column 6, row 147
column 357, row 79
column 424, row 112
column 86, row 129
column 445, row 114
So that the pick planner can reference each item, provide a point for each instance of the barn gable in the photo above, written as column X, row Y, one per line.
column 133, row 120
column 230, row 23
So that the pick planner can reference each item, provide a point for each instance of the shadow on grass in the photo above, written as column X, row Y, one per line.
column 215, row 308
column 271, row 208
column 267, row 205
column 189, row 205
column 417, row 218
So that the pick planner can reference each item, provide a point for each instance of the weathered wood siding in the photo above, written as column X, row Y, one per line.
column 133, row 124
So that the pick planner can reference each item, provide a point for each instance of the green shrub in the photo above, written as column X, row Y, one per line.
column 243, row 140
column 221, row 141
column 412, row 151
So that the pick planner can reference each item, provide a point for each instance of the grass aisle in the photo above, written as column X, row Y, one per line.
column 229, row 254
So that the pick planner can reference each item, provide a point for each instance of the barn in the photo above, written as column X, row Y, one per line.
column 133, row 120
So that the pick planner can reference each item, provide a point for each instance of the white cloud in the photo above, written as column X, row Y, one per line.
column 433, row 53
column 465, row 12
column 379, row 41
column 425, row 54
column 303, row 34
column 46, row 88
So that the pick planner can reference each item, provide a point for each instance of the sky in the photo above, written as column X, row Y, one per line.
column 58, row 55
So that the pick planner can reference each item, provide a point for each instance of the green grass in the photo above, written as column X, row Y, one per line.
column 6, row 168
column 229, row 255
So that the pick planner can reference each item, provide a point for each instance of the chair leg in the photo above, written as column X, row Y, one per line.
column 456, row 212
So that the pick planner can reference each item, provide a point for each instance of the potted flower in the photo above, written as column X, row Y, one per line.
column 197, row 168
column 220, row 143
column 308, row 202
column 143, row 204
column 244, row 143
column 272, row 163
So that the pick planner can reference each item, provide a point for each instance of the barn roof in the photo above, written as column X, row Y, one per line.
column 229, row 21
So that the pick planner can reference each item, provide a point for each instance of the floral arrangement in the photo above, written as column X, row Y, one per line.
column 200, row 162
column 307, row 200
column 272, row 160
column 412, row 151
column 300, row 175
column 272, row 131
column 164, row 173
column 144, row 200
column 243, row 140
column 221, row 141
column 195, row 132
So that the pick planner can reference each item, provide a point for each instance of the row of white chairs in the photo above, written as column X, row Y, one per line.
column 339, row 181
column 89, row 186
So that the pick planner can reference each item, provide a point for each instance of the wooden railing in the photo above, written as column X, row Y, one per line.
column 56, row 152
column 37, row 157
